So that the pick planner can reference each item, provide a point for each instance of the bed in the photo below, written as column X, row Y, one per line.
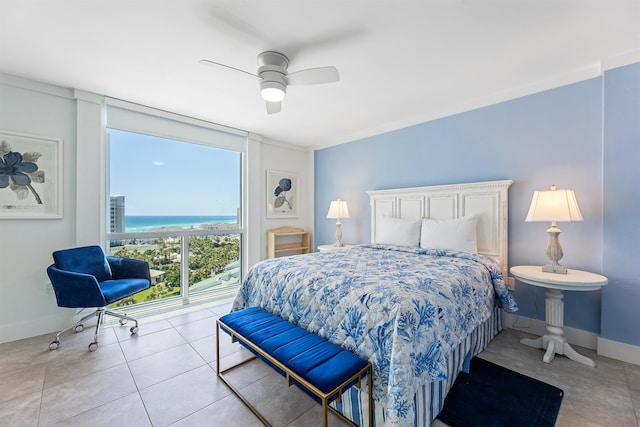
column 417, row 312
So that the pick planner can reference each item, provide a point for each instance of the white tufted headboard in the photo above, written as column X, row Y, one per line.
column 489, row 201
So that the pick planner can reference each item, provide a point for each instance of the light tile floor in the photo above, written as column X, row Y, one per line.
column 165, row 376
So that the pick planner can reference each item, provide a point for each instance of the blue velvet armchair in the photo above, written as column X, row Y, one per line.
column 85, row 278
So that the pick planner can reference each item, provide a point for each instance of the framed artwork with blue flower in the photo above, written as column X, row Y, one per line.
column 30, row 176
column 282, row 194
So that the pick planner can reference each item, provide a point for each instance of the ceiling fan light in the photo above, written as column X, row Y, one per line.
column 273, row 91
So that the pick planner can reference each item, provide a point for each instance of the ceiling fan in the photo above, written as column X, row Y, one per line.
column 274, row 77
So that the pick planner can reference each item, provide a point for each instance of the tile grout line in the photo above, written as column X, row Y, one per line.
column 146, row 411
column 44, row 377
column 636, row 409
column 49, row 363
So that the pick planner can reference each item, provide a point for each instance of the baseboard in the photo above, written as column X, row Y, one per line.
column 575, row 336
column 34, row 327
column 619, row 350
column 63, row 318
column 608, row 348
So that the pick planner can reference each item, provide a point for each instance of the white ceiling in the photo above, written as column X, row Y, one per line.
column 400, row 62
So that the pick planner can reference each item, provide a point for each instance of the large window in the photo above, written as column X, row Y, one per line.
column 175, row 202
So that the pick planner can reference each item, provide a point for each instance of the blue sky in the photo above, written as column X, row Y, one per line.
column 160, row 176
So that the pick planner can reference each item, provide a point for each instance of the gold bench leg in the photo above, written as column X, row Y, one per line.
column 325, row 398
column 325, row 413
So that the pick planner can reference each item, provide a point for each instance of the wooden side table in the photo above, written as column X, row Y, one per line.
column 575, row 280
column 301, row 241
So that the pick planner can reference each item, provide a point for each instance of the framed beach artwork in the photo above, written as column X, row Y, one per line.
column 282, row 194
column 30, row 176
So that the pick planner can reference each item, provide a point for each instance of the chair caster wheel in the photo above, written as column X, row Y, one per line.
column 54, row 345
column 79, row 328
column 93, row 346
column 134, row 330
column 123, row 322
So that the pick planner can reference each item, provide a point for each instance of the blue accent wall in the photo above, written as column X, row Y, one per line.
column 621, row 298
column 552, row 137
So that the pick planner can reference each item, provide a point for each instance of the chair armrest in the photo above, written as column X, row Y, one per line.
column 75, row 290
column 128, row 268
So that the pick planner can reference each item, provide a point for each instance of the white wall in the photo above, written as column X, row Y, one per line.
column 296, row 160
column 265, row 154
column 27, row 305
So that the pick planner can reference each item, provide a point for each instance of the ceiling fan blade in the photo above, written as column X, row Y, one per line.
column 227, row 67
column 274, row 107
column 314, row 76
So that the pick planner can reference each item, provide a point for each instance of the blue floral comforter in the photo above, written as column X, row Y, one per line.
column 404, row 309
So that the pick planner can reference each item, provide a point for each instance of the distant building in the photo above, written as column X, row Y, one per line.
column 116, row 214
column 116, row 217
column 157, row 276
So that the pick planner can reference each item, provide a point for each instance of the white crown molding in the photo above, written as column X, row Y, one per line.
column 590, row 71
column 33, row 85
column 83, row 95
column 254, row 137
column 285, row 145
column 621, row 60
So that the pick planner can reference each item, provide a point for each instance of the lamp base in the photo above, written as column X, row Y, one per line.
column 558, row 269
column 338, row 242
column 554, row 251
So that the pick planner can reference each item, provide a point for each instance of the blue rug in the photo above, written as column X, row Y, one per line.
column 493, row 396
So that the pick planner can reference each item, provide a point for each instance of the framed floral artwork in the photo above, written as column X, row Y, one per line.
column 282, row 195
column 30, row 176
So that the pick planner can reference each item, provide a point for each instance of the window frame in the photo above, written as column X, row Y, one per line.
column 129, row 117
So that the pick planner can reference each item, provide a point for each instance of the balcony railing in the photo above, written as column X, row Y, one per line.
column 212, row 269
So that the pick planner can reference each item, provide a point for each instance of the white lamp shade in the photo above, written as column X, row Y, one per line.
column 338, row 209
column 554, row 205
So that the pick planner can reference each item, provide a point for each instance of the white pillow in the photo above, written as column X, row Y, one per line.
column 457, row 234
column 396, row 231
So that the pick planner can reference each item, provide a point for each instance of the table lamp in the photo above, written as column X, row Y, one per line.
column 337, row 211
column 555, row 206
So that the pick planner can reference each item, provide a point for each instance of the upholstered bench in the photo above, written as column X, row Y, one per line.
column 320, row 368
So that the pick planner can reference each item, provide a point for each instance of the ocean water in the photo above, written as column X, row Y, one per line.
column 138, row 223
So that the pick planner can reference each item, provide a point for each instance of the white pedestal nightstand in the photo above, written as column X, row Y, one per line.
column 575, row 280
column 327, row 248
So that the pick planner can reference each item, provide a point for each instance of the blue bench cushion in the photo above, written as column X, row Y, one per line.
column 318, row 361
